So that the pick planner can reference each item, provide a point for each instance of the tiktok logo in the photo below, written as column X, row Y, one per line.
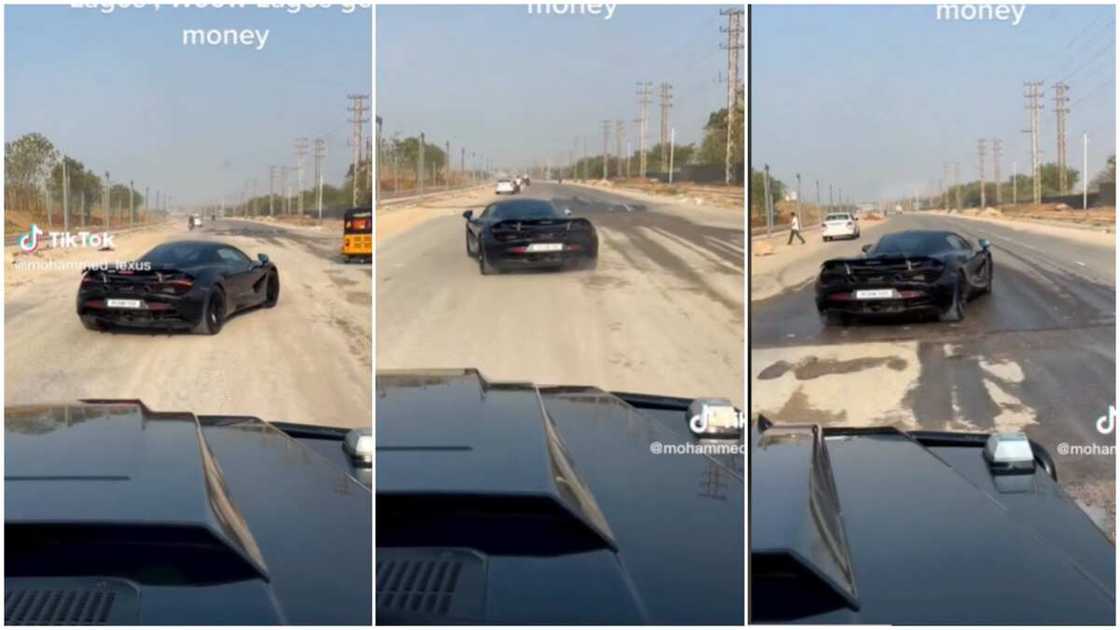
column 30, row 242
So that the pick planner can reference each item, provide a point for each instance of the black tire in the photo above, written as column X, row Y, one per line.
column 955, row 310
column 213, row 314
column 470, row 254
column 484, row 268
column 92, row 323
column 988, row 285
column 272, row 290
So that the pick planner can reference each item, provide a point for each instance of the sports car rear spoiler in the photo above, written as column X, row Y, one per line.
column 893, row 263
column 518, row 225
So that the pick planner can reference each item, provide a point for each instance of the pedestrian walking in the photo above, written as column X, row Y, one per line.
column 795, row 230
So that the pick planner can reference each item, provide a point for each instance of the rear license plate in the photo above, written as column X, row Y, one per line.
column 546, row 247
column 124, row 304
column 875, row 294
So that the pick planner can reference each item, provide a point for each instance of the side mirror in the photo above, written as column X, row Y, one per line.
column 985, row 244
column 567, row 212
column 468, row 214
column 263, row 258
column 866, row 248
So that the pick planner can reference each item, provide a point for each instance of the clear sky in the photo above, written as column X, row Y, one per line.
column 876, row 99
column 120, row 92
column 520, row 88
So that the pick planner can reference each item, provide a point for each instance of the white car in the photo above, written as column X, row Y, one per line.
column 840, row 225
column 506, row 185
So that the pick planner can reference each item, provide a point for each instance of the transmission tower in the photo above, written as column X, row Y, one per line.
column 666, row 105
column 645, row 91
column 997, row 152
column 981, row 149
column 619, row 138
column 1034, row 108
column 359, row 110
column 734, row 30
column 1061, row 108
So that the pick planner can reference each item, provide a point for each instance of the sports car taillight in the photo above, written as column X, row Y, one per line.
column 176, row 286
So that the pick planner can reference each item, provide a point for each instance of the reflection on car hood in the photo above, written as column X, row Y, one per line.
column 887, row 527
column 567, row 472
column 293, row 524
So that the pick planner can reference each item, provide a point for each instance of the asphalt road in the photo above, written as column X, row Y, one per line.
column 307, row 360
column 1037, row 354
column 662, row 314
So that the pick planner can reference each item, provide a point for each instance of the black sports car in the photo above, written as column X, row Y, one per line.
column 178, row 285
column 115, row 514
column 529, row 233
column 906, row 272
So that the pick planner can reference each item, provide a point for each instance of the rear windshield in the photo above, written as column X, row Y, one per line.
column 912, row 244
column 523, row 210
column 181, row 254
column 838, row 217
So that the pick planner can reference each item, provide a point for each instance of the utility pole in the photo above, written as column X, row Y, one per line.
column 818, row 193
column 734, row 44
column 606, row 137
column 147, row 204
column 320, row 155
column 1034, row 107
column 997, row 152
column 65, row 199
column 981, row 148
column 1014, row 183
column 419, row 166
column 130, row 201
column 377, row 188
column 644, row 94
column 956, row 185
column 619, row 138
column 666, row 105
column 287, row 189
column 301, row 152
column 447, row 165
column 831, row 204
column 766, row 199
column 945, row 180
column 108, row 200
column 799, row 217
column 271, row 189
column 672, row 145
column 1061, row 102
column 462, row 160
column 358, row 110
column 1084, row 170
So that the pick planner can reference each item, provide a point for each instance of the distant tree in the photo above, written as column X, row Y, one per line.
column 27, row 160
column 1107, row 175
column 758, row 188
column 714, row 146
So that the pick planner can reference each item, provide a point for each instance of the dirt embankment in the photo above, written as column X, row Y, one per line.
column 1102, row 217
column 701, row 194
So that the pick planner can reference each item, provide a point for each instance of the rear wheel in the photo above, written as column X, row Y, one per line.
column 955, row 311
column 272, row 291
column 92, row 323
column 470, row 252
column 213, row 314
column 988, row 283
column 484, row 267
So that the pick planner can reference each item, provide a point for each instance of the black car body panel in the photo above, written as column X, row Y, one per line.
column 174, row 296
column 208, row 520
column 537, row 492
column 924, row 279
column 880, row 526
column 527, row 233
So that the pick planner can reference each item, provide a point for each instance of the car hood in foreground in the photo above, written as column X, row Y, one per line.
column 188, row 520
column 880, row 526
column 551, row 507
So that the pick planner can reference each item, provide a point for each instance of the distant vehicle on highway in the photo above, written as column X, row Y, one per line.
column 182, row 285
column 914, row 271
column 526, row 233
column 547, row 489
column 195, row 221
column 839, row 225
column 168, row 518
column 845, row 521
column 506, row 185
